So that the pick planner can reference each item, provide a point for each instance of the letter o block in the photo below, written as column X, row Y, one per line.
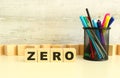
column 69, row 54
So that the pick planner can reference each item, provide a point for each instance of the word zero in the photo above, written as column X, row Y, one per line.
column 50, row 55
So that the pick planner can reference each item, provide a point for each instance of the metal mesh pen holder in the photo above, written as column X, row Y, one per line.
column 96, row 43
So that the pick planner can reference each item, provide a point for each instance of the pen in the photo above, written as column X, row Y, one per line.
column 89, row 17
column 101, row 33
column 92, row 50
column 111, row 21
column 83, row 21
column 103, row 23
column 107, row 21
column 94, row 22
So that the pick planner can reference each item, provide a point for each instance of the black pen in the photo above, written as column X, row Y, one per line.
column 89, row 17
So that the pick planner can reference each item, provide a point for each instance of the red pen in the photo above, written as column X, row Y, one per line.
column 103, row 23
column 92, row 50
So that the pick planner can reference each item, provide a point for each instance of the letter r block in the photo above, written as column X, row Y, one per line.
column 30, row 55
column 56, row 55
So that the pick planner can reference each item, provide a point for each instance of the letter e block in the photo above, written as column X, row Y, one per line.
column 44, row 55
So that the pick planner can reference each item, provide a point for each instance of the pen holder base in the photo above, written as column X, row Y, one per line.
column 87, row 58
column 96, row 44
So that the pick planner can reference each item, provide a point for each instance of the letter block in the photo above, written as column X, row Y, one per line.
column 69, row 54
column 56, row 55
column 44, row 55
column 30, row 55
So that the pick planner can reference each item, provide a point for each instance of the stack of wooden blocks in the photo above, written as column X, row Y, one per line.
column 19, row 50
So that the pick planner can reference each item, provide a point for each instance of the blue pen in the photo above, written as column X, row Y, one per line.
column 94, row 22
column 101, row 33
column 83, row 21
column 111, row 21
column 96, row 26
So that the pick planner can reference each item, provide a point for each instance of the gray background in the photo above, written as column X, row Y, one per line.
column 52, row 21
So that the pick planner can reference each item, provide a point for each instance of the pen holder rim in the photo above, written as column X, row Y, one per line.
column 97, row 28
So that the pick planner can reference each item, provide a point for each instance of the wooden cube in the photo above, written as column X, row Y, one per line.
column 58, row 46
column 76, row 46
column 56, row 54
column 30, row 55
column 10, row 50
column 45, row 46
column 81, row 49
column 1, row 49
column 118, row 49
column 33, row 46
column 37, row 46
column 21, row 49
column 44, row 55
column 69, row 54
column 110, row 51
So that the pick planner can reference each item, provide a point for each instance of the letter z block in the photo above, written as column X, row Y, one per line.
column 30, row 55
